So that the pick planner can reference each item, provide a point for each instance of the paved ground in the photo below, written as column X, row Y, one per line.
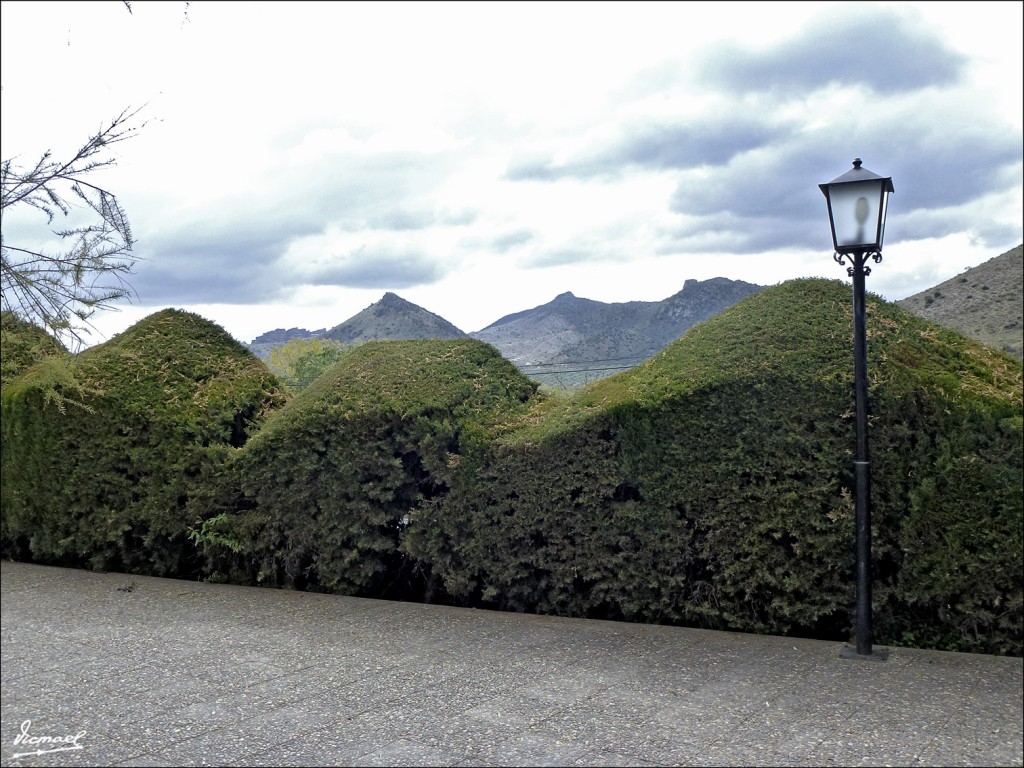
column 142, row 671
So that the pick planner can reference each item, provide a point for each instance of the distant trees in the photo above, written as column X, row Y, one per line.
column 300, row 361
column 60, row 285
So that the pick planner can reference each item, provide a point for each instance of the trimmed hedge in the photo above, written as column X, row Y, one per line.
column 107, row 479
column 22, row 345
column 318, row 499
column 712, row 485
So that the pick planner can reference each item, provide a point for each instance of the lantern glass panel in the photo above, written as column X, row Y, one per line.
column 856, row 218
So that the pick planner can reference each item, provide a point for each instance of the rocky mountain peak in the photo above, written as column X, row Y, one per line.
column 393, row 318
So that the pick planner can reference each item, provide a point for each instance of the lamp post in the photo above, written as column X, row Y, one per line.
column 857, row 203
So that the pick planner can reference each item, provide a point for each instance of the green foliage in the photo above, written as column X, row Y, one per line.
column 109, row 484
column 710, row 486
column 22, row 345
column 300, row 361
column 311, row 365
column 713, row 485
column 322, row 493
column 207, row 533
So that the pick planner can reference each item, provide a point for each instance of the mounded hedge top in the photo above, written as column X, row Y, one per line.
column 331, row 480
column 463, row 376
column 804, row 329
column 169, row 365
column 22, row 344
column 106, row 452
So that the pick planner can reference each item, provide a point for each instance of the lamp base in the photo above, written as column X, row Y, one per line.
column 877, row 654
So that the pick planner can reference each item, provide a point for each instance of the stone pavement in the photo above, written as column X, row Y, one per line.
column 132, row 670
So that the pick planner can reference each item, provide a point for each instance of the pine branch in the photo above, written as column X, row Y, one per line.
column 53, row 289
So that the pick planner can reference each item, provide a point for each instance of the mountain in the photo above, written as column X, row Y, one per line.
column 984, row 302
column 393, row 318
column 572, row 331
column 265, row 342
column 282, row 336
column 570, row 338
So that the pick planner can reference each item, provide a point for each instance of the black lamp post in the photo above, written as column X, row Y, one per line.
column 857, row 203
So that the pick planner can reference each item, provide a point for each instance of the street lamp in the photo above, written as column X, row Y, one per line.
column 857, row 203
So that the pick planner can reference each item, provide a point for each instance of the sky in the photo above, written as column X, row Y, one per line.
column 295, row 161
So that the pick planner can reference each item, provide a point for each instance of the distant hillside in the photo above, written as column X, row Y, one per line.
column 280, row 335
column 566, row 342
column 265, row 342
column 392, row 318
column 984, row 303
column 396, row 319
column 604, row 337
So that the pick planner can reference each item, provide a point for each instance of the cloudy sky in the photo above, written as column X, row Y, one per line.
column 299, row 160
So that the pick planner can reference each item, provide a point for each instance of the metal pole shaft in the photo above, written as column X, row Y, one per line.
column 862, row 468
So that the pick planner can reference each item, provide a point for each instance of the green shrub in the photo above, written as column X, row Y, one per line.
column 712, row 485
column 104, row 476
column 320, row 496
column 22, row 345
column 299, row 362
column 948, row 425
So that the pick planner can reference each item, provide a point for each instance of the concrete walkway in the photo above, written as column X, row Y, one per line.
column 132, row 670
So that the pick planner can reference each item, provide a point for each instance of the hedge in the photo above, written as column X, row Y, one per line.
column 712, row 486
column 318, row 499
column 22, row 345
column 105, row 475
